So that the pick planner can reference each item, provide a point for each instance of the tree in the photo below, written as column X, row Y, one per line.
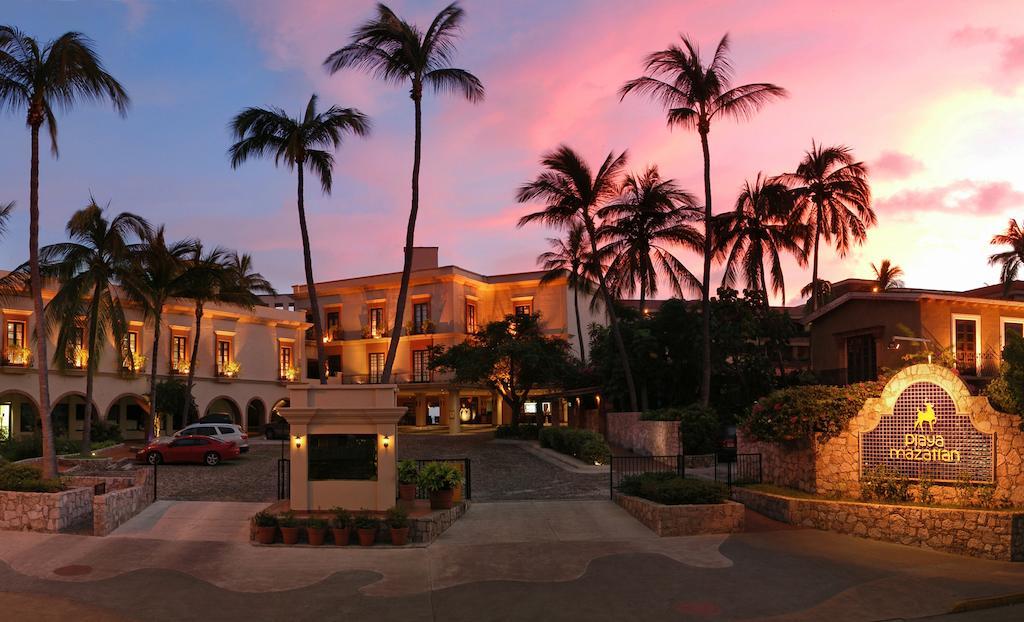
column 833, row 198
column 695, row 93
column 512, row 356
column 156, row 275
column 570, row 259
column 572, row 194
column 824, row 289
column 651, row 214
column 36, row 79
column 761, row 227
column 887, row 275
column 398, row 52
column 87, row 270
column 1009, row 260
column 301, row 143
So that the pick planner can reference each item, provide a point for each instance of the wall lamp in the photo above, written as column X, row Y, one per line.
column 387, row 441
column 298, row 442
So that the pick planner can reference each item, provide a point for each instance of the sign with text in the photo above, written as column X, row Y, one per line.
column 926, row 438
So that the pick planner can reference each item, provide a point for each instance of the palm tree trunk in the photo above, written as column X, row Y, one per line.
column 90, row 371
column 314, row 303
column 705, row 303
column 192, row 365
column 151, row 420
column 579, row 325
column 643, row 298
column 815, row 294
column 36, row 284
column 410, row 232
column 613, row 317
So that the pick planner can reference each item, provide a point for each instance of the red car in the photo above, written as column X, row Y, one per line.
column 200, row 449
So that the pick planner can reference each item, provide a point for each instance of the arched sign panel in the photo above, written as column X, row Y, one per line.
column 926, row 438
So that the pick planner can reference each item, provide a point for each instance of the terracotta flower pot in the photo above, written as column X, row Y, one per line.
column 399, row 536
column 407, row 492
column 441, row 499
column 340, row 536
column 290, row 535
column 316, row 536
column 367, row 536
column 266, row 535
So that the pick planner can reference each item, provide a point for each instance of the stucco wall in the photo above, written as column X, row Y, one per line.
column 650, row 438
column 829, row 332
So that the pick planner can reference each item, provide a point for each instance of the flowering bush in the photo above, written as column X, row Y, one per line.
column 800, row 413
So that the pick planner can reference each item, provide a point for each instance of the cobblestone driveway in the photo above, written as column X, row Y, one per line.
column 503, row 472
column 253, row 477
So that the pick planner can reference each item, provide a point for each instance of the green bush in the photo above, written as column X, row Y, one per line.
column 671, row 489
column 585, row 445
column 698, row 425
column 265, row 519
column 342, row 518
column 799, row 413
column 882, row 483
column 435, row 476
column 26, row 478
column 522, row 432
column 408, row 472
column 397, row 518
column 105, row 432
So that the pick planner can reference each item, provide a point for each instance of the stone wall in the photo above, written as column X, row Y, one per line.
column 429, row 528
column 117, row 507
column 44, row 511
column 989, row 534
column 684, row 520
column 649, row 438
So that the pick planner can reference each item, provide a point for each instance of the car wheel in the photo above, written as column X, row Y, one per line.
column 212, row 458
column 154, row 458
column 269, row 434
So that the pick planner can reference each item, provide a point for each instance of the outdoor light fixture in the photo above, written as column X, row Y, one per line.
column 387, row 441
column 298, row 442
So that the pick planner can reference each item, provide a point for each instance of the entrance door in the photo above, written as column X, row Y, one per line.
column 860, row 359
column 965, row 335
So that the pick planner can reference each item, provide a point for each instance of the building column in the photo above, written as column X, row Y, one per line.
column 496, row 408
column 454, row 422
column 446, row 397
column 421, row 409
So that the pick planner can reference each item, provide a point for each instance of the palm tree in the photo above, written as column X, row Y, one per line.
column 300, row 143
column 651, row 214
column 834, row 199
column 1010, row 260
column 572, row 194
column 398, row 52
column 36, row 79
column 887, row 275
column 824, row 289
column 761, row 227
column 695, row 94
column 570, row 259
column 87, row 270
column 156, row 275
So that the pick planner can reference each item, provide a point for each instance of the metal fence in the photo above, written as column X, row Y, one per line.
column 745, row 469
column 461, row 463
column 731, row 469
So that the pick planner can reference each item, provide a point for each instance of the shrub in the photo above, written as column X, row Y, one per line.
column 265, row 519
column 408, row 471
column 342, row 518
column 397, row 518
column 522, row 432
column 698, row 425
column 26, row 478
column 105, row 432
column 288, row 520
column 584, row 445
column 316, row 523
column 883, row 483
column 671, row 489
column 365, row 520
column 435, row 476
column 799, row 413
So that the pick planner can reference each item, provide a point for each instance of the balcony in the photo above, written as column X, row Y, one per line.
column 228, row 372
column 375, row 333
column 17, row 359
column 419, row 328
column 396, row 378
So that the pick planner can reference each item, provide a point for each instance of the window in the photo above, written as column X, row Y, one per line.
column 28, row 417
column 223, row 356
column 471, row 317
column 179, row 353
column 523, row 309
column 333, row 364
column 376, row 322
column 291, row 306
column 421, row 366
column 861, row 364
column 376, row 360
column 131, row 343
column 342, row 456
column 135, row 417
column 420, row 317
column 965, row 344
column 221, row 430
column 286, row 363
column 16, row 333
column 334, row 325
column 279, row 305
column 312, row 368
column 1011, row 327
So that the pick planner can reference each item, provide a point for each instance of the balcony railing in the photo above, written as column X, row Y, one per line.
column 396, row 378
column 17, row 356
column 375, row 333
column 419, row 328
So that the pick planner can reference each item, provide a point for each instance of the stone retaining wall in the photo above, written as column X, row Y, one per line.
column 429, row 528
column 117, row 507
column 684, row 520
column 44, row 511
column 989, row 534
column 649, row 438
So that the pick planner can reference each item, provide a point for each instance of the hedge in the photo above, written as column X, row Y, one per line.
column 803, row 412
column 671, row 489
column 26, row 478
column 523, row 432
column 585, row 445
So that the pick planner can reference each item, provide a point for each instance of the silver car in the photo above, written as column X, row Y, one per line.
column 221, row 431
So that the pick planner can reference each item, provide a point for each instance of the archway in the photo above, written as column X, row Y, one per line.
column 224, row 405
column 69, row 415
column 278, row 405
column 255, row 415
column 129, row 412
column 18, row 414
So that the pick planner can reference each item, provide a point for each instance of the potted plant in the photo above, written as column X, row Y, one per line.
column 266, row 527
column 408, row 473
column 398, row 525
column 341, row 526
column 316, row 531
column 289, row 528
column 440, row 479
column 366, row 528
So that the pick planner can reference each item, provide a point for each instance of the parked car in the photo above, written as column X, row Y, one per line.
column 277, row 428
column 217, row 418
column 222, row 431
column 199, row 449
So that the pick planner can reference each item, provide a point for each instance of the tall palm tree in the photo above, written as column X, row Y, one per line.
column 573, row 194
column 651, row 215
column 398, row 52
column 36, row 79
column 834, row 199
column 301, row 143
column 87, row 270
column 203, row 271
column 824, row 289
column 156, row 275
column 761, row 227
column 570, row 259
column 695, row 93
column 1010, row 260
column 887, row 275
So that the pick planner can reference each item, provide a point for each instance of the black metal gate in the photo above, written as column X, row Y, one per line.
column 284, row 473
column 729, row 468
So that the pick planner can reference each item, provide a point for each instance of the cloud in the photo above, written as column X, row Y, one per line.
column 961, row 197
column 895, row 165
column 973, row 35
column 1013, row 55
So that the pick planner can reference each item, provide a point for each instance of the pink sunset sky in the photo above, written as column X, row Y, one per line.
column 928, row 94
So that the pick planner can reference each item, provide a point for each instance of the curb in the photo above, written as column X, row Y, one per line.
column 991, row 602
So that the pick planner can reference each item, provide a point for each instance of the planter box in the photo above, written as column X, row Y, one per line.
column 684, row 520
column 990, row 534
